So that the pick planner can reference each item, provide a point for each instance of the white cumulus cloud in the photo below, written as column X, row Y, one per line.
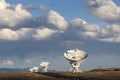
column 57, row 20
column 84, row 28
column 12, row 15
column 26, row 33
column 93, row 31
column 110, row 34
column 43, row 33
column 9, row 34
column 106, row 10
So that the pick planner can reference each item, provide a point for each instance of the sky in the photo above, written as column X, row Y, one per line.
column 32, row 31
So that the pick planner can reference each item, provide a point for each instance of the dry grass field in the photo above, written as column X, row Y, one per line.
column 95, row 75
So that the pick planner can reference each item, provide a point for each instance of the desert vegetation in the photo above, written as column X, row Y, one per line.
column 87, row 75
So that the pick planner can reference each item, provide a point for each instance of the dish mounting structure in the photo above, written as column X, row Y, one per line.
column 76, row 58
column 34, row 69
column 44, row 66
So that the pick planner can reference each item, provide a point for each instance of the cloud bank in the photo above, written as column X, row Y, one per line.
column 13, row 16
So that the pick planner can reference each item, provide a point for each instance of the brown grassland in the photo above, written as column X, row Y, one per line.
column 88, row 75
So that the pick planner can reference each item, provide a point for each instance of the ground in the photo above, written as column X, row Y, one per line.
column 88, row 75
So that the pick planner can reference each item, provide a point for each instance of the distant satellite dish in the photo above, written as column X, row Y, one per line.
column 44, row 66
column 76, row 57
column 34, row 69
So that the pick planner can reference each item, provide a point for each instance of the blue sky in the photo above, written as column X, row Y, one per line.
column 33, row 31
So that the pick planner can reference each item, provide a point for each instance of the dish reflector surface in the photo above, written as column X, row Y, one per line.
column 34, row 69
column 75, row 55
column 44, row 64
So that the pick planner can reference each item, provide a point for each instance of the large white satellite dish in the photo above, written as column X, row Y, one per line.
column 76, row 57
column 44, row 66
column 34, row 69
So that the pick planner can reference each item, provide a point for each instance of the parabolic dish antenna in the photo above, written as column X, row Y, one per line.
column 34, row 69
column 44, row 66
column 76, row 57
